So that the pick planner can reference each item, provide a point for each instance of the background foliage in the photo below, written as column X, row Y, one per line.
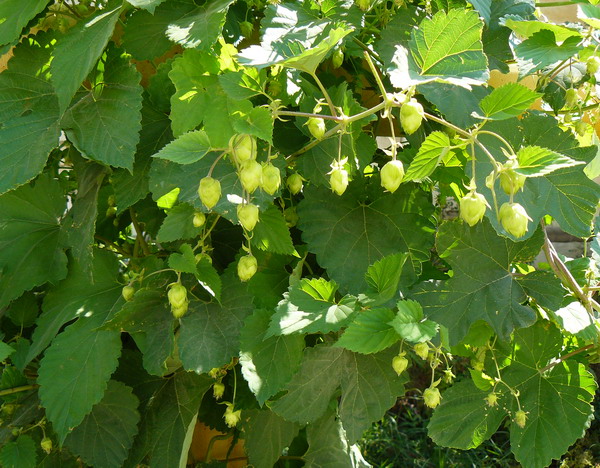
column 141, row 319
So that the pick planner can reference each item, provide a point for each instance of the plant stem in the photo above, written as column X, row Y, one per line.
column 325, row 94
column 23, row 388
column 112, row 244
column 139, row 233
column 308, row 115
column 365, row 47
column 375, row 73
column 565, row 357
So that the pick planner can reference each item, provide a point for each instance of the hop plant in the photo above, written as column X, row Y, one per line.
column 199, row 219
column 218, row 390
column 209, row 192
column 514, row 219
column 247, row 267
column 338, row 179
column 294, row 183
column 422, row 350
column 411, row 116
column 491, row 399
column 242, row 148
column 432, row 397
column 520, row 418
column 316, row 127
column 250, row 175
column 400, row 363
column 392, row 174
column 271, row 178
column 232, row 417
column 248, row 215
column 510, row 180
column 127, row 292
column 472, row 207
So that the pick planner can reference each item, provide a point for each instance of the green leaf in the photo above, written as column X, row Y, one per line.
column 266, row 435
column 268, row 364
column 75, row 370
column 382, row 280
column 328, row 446
column 99, row 129
column 106, row 434
column 209, row 279
column 78, row 50
column 310, row 307
column 148, row 314
column 155, row 133
column 464, row 419
column 431, row 153
column 541, row 50
column 529, row 28
column 257, row 122
column 508, row 101
column 370, row 332
column 14, row 16
column 447, row 48
column 5, row 350
column 410, row 324
column 482, row 284
column 149, row 5
column 29, row 112
column 564, row 393
column 30, row 238
column 184, row 262
column 170, row 414
column 243, row 84
column 535, row 161
column 347, row 235
column 272, row 234
column 19, row 454
column 368, row 383
column 24, row 310
column 209, row 333
column 80, row 294
column 544, row 287
column 187, row 148
column 178, row 224
column 575, row 319
column 200, row 28
column 81, row 224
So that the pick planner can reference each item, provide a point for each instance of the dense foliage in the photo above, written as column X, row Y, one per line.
column 198, row 224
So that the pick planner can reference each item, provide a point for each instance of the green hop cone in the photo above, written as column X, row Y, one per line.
column 400, row 363
column 570, row 98
column 291, row 216
column 491, row 399
column 392, row 174
column 242, row 148
column 411, row 116
column 250, row 175
column 247, row 215
column 127, row 292
column 422, row 350
column 339, row 180
column 271, row 178
column 432, row 397
column 472, row 207
column 247, row 267
column 46, row 444
column 218, row 390
column 199, row 219
column 514, row 219
column 294, row 183
column 247, row 28
column 364, row 5
column 511, row 181
column 177, row 295
column 232, row 417
column 179, row 311
column 209, row 191
column 592, row 65
column 316, row 127
column 337, row 58
column 520, row 418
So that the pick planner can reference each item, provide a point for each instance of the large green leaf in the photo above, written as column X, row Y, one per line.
column 370, row 332
column 148, row 314
column 209, row 333
column 267, row 363
column 507, row 101
column 541, row 50
column 170, row 415
column 81, row 294
column 75, row 370
column 431, row 152
column 348, row 235
column 446, row 47
column 535, row 161
column 482, row 286
column 77, row 52
column 410, row 324
column 328, row 446
column 383, row 278
column 200, row 28
column 178, row 224
column 265, row 436
column 310, row 307
column 149, row 5
column 105, row 436
column 20, row 453
column 28, row 112
column 186, row 149
column 368, row 383
column 30, row 238
column 272, row 234
column 14, row 16
column 97, row 127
